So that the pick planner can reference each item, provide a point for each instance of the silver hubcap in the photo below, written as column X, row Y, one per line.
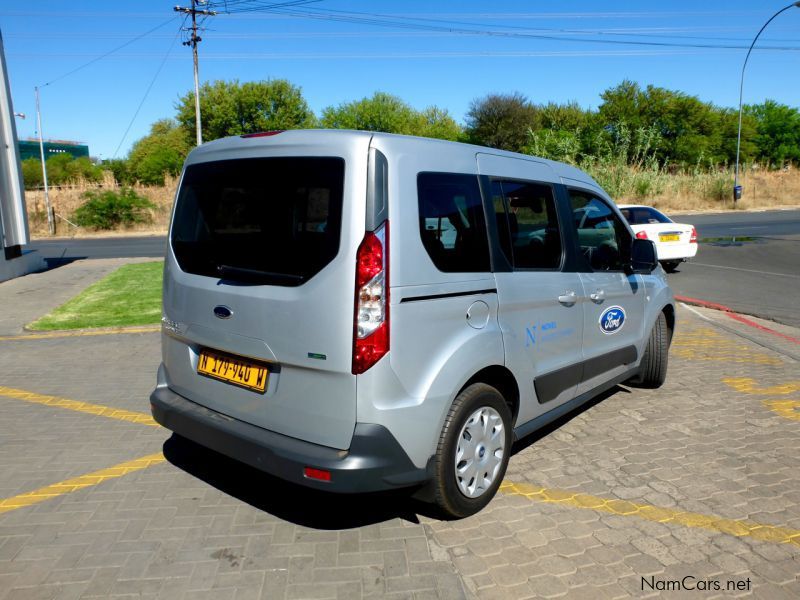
column 479, row 452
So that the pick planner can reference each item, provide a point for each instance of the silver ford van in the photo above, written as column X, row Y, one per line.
column 358, row 311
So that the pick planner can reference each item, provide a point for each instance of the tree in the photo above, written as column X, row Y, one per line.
column 690, row 130
column 233, row 108
column 502, row 121
column 435, row 122
column 381, row 112
column 32, row 173
column 777, row 126
column 563, row 117
column 64, row 168
column 158, row 154
column 389, row 114
column 120, row 169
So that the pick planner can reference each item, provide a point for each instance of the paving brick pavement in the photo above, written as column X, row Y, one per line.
column 202, row 526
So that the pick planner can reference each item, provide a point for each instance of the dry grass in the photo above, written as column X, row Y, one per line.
column 66, row 199
column 711, row 191
column 679, row 192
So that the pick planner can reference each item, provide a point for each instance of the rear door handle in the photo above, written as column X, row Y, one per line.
column 568, row 298
column 598, row 296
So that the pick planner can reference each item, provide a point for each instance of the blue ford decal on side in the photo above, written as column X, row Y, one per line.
column 612, row 319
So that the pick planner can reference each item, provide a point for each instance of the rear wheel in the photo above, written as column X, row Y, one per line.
column 473, row 451
column 670, row 265
column 654, row 362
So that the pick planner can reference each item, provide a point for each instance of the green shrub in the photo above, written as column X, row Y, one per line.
column 109, row 209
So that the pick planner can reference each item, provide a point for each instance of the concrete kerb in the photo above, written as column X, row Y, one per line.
column 780, row 338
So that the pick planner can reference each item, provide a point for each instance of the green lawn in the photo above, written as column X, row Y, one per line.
column 131, row 295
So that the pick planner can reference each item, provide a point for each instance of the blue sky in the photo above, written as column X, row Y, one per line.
column 444, row 53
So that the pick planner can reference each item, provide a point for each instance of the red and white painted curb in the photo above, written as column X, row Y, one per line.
column 736, row 316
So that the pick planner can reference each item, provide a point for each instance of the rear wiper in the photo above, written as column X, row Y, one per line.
column 255, row 275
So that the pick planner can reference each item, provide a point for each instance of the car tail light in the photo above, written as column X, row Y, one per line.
column 371, row 320
column 641, row 235
column 318, row 474
column 693, row 236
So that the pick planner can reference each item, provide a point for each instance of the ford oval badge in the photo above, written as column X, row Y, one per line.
column 222, row 312
column 612, row 319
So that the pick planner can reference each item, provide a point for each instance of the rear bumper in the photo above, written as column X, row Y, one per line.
column 375, row 460
column 672, row 251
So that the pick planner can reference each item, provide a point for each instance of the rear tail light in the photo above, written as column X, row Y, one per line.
column 371, row 321
column 641, row 235
column 693, row 236
column 318, row 474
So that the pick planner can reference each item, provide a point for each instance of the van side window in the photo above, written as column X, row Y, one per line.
column 451, row 222
column 603, row 239
column 528, row 224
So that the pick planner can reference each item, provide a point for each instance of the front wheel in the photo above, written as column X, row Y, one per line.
column 653, row 370
column 473, row 451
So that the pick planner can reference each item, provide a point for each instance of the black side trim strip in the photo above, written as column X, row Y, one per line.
column 550, row 385
column 605, row 362
column 451, row 295
column 551, row 415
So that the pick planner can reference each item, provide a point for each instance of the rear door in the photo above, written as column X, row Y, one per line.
column 260, row 269
column 539, row 313
column 614, row 301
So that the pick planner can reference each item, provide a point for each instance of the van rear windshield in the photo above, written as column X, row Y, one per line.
column 271, row 221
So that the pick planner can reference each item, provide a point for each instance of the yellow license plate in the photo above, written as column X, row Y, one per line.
column 234, row 370
column 672, row 237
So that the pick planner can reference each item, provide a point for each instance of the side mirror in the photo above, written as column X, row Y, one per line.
column 643, row 256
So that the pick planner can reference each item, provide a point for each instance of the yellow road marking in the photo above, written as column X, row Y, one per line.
column 90, row 333
column 739, row 528
column 789, row 409
column 84, row 407
column 750, row 386
column 708, row 345
column 78, row 483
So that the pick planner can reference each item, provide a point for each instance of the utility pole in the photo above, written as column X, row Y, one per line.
column 193, row 40
column 51, row 222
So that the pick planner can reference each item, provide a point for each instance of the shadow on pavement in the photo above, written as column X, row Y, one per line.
column 528, row 441
column 61, row 261
column 313, row 508
column 288, row 501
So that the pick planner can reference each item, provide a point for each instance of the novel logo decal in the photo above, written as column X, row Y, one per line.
column 612, row 319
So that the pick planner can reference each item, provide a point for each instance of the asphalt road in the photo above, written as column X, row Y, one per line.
column 68, row 249
column 757, row 275
column 747, row 261
column 767, row 223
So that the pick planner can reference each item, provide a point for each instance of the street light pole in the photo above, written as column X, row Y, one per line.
column 51, row 224
column 737, row 190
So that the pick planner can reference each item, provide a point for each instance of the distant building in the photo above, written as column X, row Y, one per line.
column 30, row 149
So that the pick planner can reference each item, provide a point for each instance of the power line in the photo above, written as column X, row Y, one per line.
column 109, row 53
column 147, row 91
column 231, row 7
column 419, row 23
column 359, row 34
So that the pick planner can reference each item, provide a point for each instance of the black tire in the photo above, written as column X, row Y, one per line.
column 654, row 362
column 447, row 496
column 670, row 265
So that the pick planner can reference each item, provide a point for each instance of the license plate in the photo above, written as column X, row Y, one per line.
column 235, row 370
column 670, row 237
